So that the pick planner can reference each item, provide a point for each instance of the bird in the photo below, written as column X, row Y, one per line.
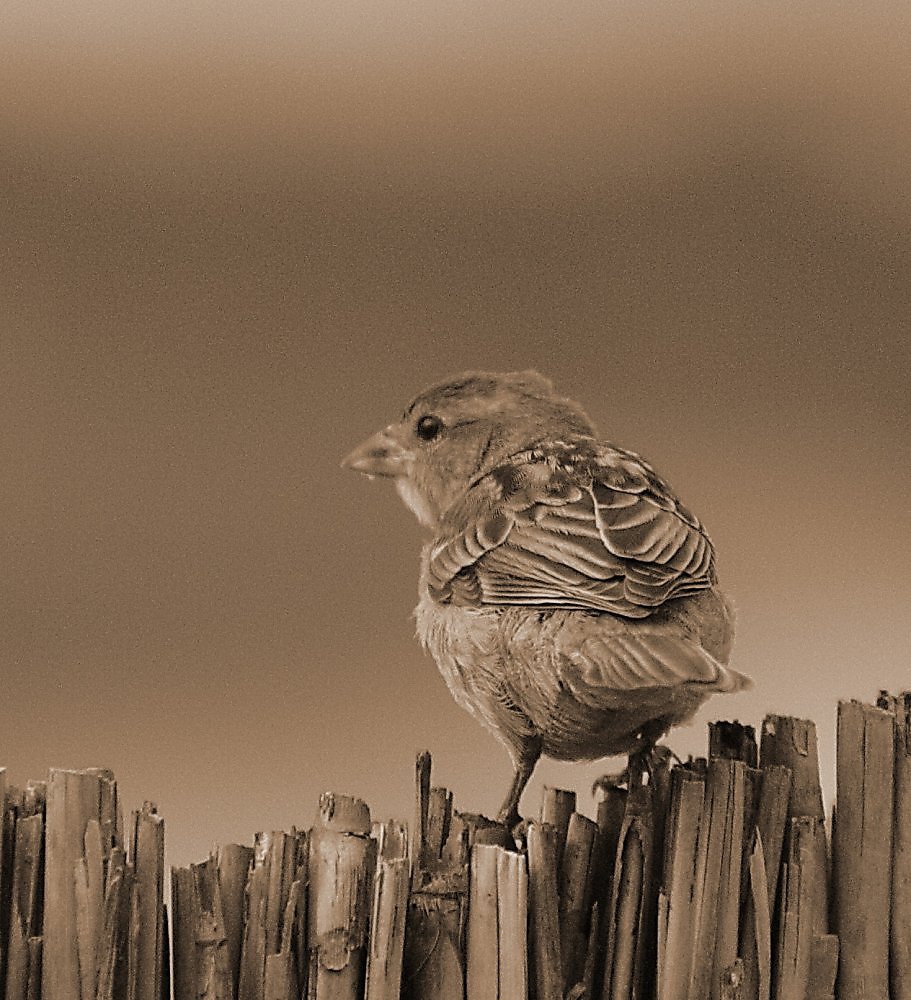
column 569, row 598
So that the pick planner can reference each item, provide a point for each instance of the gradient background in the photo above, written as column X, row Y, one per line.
column 238, row 238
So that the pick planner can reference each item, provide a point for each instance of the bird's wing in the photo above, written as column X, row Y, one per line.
column 599, row 532
column 599, row 665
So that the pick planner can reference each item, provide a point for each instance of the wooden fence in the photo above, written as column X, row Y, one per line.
column 710, row 880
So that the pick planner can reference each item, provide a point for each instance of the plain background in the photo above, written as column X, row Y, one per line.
column 239, row 238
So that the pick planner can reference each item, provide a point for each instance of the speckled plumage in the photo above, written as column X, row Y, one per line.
column 568, row 597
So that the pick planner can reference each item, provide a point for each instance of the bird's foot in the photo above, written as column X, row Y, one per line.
column 642, row 764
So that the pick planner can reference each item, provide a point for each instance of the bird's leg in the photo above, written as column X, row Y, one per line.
column 528, row 757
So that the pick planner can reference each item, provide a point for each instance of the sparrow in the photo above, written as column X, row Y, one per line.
column 568, row 597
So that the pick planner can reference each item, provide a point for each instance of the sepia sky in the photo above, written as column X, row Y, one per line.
column 239, row 238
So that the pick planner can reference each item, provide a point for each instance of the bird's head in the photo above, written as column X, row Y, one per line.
column 458, row 430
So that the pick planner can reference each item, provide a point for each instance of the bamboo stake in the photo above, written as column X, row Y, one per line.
column 862, row 849
column 387, row 928
column 35, row 949
column 148, row 864
column 73, row 798
column 482, row 943
column 251, row 979
column 25, row 914
column 797, row 914
column 512, row 923
column 557, row 805
column 89, row 889
column 718, row 877
column 824, row 967
column 342, row 860
column 900, row 919
column 611, row 810
column 544, row 928
column 234, row 863
column 575, row 901
column 677, row 916
column 626, row 923
column 771, row 822
column 756, row 929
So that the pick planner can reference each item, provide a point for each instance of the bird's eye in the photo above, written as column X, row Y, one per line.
column 429, row 427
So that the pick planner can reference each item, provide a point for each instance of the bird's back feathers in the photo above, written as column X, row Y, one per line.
column 571, row 525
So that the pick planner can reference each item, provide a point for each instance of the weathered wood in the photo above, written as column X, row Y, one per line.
column 512, row 925
column 148, row 865
column 234, row 862
column 626, row 913
column 576, row 898
column 733, row 741
column 611, row 810
column 73, row 799
column 797, row 912
column 342, row 860
column 731, row 985
column 792, row 742
column 387, row 928
column 25, row 913
column 756, row 929
column 89, row 889
column 557, row 805
column 546, row 970
column 112, row 951
column 433, row 963
column 824, row 967
column 676, row 907
column 35, row 951
column 900, row 922
column 482, row 941
column 771, row 821
column 251, row 979
column 718, row 877
column 862, row 848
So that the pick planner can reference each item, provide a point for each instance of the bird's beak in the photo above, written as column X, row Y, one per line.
column 380, row 455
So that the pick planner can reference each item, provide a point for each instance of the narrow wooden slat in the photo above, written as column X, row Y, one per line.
column 512, row 925
column 576, row 898
column 482, row 939
column 234, row 862
column 862, row 849
column 544, row 928
column 25, row 912
column 73, row 799
column 900, row 917
column 771, row 821
column 557, row 806
column 387, row 928
column 148, row 866
column 342, row 860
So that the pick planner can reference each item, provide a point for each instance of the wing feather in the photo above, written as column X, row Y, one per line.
column 595, row 530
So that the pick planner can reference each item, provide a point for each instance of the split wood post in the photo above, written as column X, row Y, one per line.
column 342, row 860
column 718, row 877
column 482, row 976
column 25, row 914
column 862, row 848
column 677, row 898
column 611, row 810
column 546, row 970
column 900, row 922
column 148, row 866
column 797, row 912
column 557, row 806
column 73, row 799
column 388, row 914
column 233, row 862
column 433, row 964
column 512, row 925
column 756, row 928
column 576, row 898
column 792, row 742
